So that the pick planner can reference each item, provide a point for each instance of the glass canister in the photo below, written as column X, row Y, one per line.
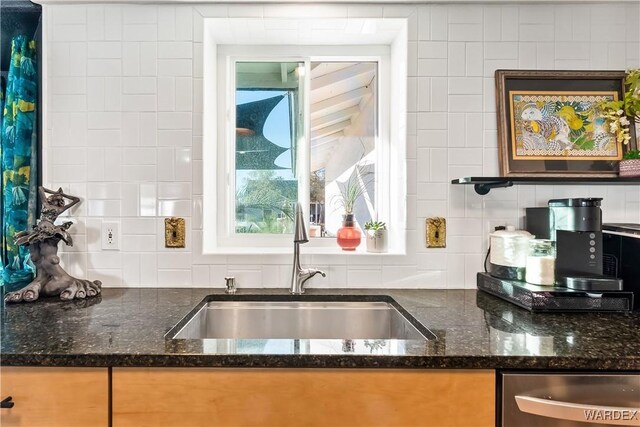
column 541, row 262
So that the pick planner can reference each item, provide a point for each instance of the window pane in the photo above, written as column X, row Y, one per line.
column 268, row 125
column 344, row 123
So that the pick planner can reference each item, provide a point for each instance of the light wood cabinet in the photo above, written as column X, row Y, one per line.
column 302, row 397
column 52, row 397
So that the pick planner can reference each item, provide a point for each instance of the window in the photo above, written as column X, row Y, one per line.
column 269, row 121
column 287, row 124
column 270, row 135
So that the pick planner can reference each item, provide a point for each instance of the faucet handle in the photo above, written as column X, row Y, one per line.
column 231, row 285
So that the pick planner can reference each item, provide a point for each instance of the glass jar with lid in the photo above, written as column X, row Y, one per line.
column 541, row 262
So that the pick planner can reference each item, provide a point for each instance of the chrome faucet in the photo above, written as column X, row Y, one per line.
column 300, row 275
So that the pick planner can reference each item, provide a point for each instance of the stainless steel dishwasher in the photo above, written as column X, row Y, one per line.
column 570, row 400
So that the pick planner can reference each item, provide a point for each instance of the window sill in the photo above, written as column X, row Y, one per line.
column 304, row 250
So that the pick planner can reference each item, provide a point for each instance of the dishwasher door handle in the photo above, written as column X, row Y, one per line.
column 608, row 415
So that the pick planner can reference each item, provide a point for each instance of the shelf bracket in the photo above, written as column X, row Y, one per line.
column 484, row 188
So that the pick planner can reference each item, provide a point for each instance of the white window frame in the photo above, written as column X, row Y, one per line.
column 219, row 235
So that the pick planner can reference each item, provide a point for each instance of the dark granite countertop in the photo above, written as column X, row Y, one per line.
column 126, row 327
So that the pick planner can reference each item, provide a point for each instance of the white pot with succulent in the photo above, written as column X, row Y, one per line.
column 377, row 236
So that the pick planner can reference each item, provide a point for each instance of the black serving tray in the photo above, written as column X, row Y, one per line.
column 554, row 299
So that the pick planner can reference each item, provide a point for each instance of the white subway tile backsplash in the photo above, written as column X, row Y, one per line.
column 139, row 32
column 140, row 14
column 465, row 86
column 433, row 138
column 432, row 67
column 113, row 23
column 185, row 88
column 536, row 32
column 139, row 156
column 456, row 59
column 69, row 85
column 138, row 173
column 175, row 50
column 104, row 50
column 439, row 21
column 174, row 138
column 174, row 67
column 104, row 67
column 439, row 97
column 112, row 92
column 197, row 177
column 174, row 121
column 78, row 59
column 95, row 93
column 110, row 278
column 103, row 120
column 148, row 198
column 166, row 23
column 492, row 17
column 70, row 103
column 166, row 94
column 174, row 278
column 95, row 23
column 130, row 59
column 183, row 164
column 174, row 190
column 103, row 191
column 465, row 103
column 473, row 59
column 465, row 32
column 432, row 50
column 148, row 269
column 166, row 164
column 148, row 59
column 130, row 200
column 113, row 164
column 139, row 103
column 96, row 171
column 103, row 138
column 509, row 23
column 69, row 15
column 139, row 85
column 103, row 208
column 184, row 23
column 432, row 121
column 125, row 129
column 148, row 129
column 69, row 32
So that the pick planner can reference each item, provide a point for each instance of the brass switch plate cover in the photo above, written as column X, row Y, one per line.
column 436, row 232
column 174, row 232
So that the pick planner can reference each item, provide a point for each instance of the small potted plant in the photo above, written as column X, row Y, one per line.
column 619, row 118
column 630, row 164
column 377, row 240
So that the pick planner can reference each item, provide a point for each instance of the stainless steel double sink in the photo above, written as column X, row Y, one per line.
column 308, row 317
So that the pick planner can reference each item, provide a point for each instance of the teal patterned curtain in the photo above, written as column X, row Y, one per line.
column 19, row 164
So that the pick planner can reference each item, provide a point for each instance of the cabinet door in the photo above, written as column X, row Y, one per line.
column 52, row 397
column 302, row 397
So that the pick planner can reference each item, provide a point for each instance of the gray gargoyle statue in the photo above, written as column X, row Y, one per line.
column 42, row 240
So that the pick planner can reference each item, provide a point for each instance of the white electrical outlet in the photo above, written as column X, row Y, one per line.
column 111, row 236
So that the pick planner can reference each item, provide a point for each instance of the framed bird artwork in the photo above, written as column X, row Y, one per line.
column 550, row 123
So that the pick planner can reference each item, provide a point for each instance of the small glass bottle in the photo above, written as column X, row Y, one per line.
column 541, row 263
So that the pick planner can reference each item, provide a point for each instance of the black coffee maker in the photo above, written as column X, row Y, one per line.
column 576, row 227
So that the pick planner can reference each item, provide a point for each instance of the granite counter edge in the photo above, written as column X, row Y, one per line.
column 322, row 361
